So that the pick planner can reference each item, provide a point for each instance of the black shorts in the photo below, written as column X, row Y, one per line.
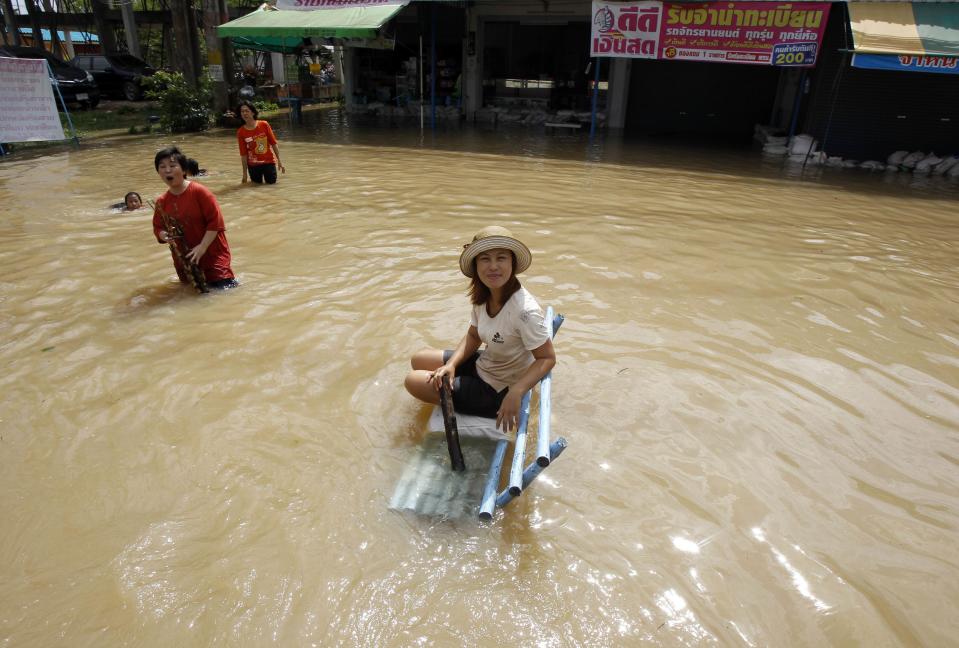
column 472, row 394
column 223, row 284
column 261, row 172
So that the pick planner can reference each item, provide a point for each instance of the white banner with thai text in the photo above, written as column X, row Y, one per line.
column 309, row 5
column 628, row 30
column 28, row 111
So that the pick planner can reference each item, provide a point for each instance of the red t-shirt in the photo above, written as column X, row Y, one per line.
column 197, row 212
column 255, row 144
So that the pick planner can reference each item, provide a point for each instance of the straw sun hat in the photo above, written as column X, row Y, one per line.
column 492, row 238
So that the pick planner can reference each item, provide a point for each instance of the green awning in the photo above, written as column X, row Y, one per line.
column 264, row 44
column 292, row 26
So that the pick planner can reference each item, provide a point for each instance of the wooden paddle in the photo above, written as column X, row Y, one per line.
column 449, row 422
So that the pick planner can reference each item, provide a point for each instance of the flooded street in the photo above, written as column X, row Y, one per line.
column 758, row 378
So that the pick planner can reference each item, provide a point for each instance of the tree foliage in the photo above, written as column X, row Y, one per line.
column 182, row 107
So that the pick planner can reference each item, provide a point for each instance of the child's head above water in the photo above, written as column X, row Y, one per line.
column 132, row 201
column 193, row 168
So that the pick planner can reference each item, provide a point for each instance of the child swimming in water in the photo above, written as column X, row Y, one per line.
column 132, row 201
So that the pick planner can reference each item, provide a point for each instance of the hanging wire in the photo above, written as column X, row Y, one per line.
column 839, row 75
column 834, row 91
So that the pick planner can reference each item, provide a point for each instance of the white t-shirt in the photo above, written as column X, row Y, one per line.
column 510, row 337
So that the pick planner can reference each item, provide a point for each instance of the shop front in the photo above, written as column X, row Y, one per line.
column 425, row 40
column 863, row 79
column 890, row 81
column 305, row 31
column 709, row 70
column 538, row 65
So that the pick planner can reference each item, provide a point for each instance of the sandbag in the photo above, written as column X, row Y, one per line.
column 897, row 157
column 802, row 145
column 945, row 165
column 925, row 164
column 910, row 161
column 872, row 165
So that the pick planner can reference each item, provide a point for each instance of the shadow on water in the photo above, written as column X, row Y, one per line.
column 153, row 296
column 701, row 156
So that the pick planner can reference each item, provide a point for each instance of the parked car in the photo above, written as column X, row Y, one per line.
column 75, row 85
column 117, row 75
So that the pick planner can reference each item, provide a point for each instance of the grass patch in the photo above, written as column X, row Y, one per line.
column 124, row 117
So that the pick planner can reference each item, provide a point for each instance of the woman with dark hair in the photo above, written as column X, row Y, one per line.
column 132, row 201
column 258, row 149
column 198, row 214
column 506, row 317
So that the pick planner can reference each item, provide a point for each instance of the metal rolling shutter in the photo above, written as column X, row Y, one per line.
column 871, row 113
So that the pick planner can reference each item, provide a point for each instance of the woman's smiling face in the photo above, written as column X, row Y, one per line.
column 494, row 267
column 170, row 172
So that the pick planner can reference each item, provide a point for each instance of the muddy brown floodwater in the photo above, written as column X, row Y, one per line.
column 758, row 378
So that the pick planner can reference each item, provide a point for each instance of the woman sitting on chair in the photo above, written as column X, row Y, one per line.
column 506, row 317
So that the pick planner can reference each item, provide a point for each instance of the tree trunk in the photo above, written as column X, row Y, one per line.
column 55, row 45
column 130, row 29
column 183, row 45
column 194, row 35
column 34, row 23
column 10, row 20
column 227, row 47
column 218, row 54
column 166, row 50
column 108, row 40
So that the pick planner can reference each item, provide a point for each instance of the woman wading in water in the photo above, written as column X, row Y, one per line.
column 505, row 317
column 259, row 152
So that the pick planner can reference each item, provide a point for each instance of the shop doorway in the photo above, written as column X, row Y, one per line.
column 711, row 100
column 539, row 66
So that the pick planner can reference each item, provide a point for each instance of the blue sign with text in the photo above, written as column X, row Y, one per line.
column 787, row 54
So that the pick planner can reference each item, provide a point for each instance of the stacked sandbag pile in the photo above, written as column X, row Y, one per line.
column 529, row 116
column 776, row 145
column 411, row 109
column 772, row 139
column 921, row 163
column 803, row 149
